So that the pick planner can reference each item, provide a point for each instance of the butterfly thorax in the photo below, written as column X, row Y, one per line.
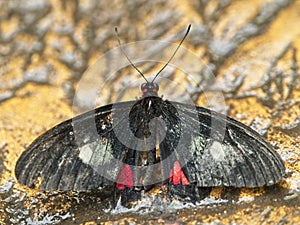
column 150, row 113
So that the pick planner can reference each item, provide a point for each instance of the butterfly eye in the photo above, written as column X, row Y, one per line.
column 143, row 86
column 155, row 86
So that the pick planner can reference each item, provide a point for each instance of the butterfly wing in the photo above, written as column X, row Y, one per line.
column 216, row 150
column 79, row 154
column 87, row 152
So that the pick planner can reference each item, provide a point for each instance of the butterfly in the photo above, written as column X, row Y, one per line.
column 126, row 147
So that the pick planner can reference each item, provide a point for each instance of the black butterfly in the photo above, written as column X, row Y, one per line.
column 130, row 146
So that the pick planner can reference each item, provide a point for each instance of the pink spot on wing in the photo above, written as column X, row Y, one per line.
column 177, row 175
column 125, row 178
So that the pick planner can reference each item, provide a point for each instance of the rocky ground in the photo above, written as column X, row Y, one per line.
column 58, row 58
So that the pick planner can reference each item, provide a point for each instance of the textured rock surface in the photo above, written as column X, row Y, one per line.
column 252, row 48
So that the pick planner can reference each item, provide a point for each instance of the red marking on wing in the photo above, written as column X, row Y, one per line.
column 125, row 178
column 177, row 175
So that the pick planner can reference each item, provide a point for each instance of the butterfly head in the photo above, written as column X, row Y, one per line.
column 149, row 89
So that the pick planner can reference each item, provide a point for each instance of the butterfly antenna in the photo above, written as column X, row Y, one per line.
column 186, row 33
column 131, row 63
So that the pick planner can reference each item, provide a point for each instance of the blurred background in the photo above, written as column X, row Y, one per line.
column 59, row 58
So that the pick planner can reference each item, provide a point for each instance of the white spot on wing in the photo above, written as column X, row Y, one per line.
column 97, row 154
column 85, row 154
column 217, row 152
